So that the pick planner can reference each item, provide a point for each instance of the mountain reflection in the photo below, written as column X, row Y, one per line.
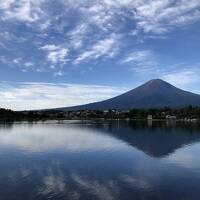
column 157, row 140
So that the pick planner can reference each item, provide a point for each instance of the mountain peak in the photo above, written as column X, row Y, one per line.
column 156, row 84
column 157, row 81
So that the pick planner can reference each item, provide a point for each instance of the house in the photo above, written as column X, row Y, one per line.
column 149, row 117
column 106, row 111
column 170, row 117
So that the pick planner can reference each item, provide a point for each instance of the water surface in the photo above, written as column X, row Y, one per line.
column 106, row 161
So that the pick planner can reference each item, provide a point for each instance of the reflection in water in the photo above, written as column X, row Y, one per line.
column 110, row 160
column 158, row 140
column 66, row 138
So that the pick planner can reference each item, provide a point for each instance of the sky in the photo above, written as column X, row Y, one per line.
column 56, row 53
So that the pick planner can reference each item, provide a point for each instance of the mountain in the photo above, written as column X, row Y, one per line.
column 155, row 93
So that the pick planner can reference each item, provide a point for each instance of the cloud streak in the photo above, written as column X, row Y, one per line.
column 161, row 16
column 22, row 10
column 183, row 78
column 23, row 96
column 140, row 60
column 107, row 47
column 56, row 54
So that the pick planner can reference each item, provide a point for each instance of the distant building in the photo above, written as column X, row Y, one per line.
column 171, row 117
column 149, row 117
column 106, row 111
column 124, row 111
column 190, row 120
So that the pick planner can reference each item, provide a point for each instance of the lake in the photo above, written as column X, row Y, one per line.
column 99, row 160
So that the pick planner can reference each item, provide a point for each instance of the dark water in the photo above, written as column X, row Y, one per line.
column 104, row 161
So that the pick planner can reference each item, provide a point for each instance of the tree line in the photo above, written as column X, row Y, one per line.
column 188, row 112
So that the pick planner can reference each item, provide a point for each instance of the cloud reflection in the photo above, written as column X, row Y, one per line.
column 187, row 157
column 67, row 138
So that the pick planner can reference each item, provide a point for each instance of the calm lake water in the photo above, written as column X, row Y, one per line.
column 105, row 161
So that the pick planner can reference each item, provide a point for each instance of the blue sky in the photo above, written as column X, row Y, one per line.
column 68, row 52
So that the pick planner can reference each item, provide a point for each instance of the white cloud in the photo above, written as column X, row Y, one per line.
column 96, row 20
column 159, row 16
column 155, row 16
column 58, row 73
column 56, row 54
column 107, row 47
column 21, row 10
column 17, row 60
column 28, row 64
column 77, row 35
column 43, row 95
column 182, row 78
column 89, row 30
column 50, row 47
column 138, row 56
column 142, row 60
column 6, row 4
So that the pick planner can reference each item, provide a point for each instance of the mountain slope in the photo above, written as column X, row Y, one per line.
column 153, row 94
